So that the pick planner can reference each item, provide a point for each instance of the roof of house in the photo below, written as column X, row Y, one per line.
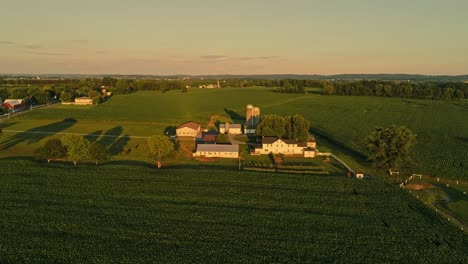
column 82, row 98
column 239, row 126
column 209, row 137
column 217, row 148
column 191, row 124
column 13, row 101
column 271, row 140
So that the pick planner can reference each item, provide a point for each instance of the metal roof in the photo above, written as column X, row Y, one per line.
column 217, row 148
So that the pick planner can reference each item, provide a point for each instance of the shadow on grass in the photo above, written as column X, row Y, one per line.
column 35, row 135
column 114, row 140
column 93, row 137
column 236, row 117
column 340, row 145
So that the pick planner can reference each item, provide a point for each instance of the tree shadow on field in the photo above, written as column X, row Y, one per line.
column 114, row 140
column 345, row 148
column 236, row 117
column 35, row 135
column 93, row 137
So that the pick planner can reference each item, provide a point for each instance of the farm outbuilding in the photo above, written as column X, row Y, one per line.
column 14, row 105
column 233, row 129
column 189, row 129
column 217, row 151
column 360, row 175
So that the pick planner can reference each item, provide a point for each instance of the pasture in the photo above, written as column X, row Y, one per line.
column 442, row 129
column 122, row 213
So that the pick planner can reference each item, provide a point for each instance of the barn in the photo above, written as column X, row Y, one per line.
column 217, row 151
column 14, row 105
column 189, row 129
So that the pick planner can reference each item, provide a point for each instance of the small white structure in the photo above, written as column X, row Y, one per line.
column 233, row 129
column 83, row 101
column 360, row 175
column 189, row 129
column 217, row 151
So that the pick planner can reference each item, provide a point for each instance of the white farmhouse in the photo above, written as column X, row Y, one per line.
column 286, row 147
column 189, row 129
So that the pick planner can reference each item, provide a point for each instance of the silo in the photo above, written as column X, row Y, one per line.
column 256, row 114
column 249, row 114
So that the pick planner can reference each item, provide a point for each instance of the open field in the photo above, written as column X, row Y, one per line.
column 340, row 122
column 56, row 213
column 442, row 130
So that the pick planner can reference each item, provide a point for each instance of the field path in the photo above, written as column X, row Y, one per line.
column 62, row 133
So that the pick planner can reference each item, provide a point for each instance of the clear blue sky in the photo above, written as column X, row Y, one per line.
column 237, row 37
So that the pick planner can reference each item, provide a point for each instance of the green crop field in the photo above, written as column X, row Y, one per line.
column 122, row 213
column 442, row 129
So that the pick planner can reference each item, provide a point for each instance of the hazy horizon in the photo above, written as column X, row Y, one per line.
column 238, row 38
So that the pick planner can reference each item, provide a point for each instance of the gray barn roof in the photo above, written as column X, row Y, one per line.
column 217, row 148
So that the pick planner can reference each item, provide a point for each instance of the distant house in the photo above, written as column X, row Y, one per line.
column 189, row 129
column 277, row 145
column 217, row 151
column 233, row 129
column 83, row 101
column 14, row 105
column 210, row 86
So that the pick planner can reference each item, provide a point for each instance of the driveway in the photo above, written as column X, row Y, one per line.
column 234, row 141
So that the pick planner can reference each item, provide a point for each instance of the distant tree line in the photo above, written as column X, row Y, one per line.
column 67, row 89
column 420, row 90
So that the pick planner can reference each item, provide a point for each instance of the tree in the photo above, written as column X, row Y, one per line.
column 271, row 126
column 98, row 153
column 4, row 94
column 160, row 147
column 19, row 93
column 53, row 149
column 77, row 147
column 300, row 128
column 391, row 146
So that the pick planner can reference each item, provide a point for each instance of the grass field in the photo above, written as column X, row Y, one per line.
column 442, row 130
column 121, row 213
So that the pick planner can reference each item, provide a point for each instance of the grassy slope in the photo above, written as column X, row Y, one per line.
column 52, row 213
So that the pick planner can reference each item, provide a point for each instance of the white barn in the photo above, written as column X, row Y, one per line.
column 217, row 151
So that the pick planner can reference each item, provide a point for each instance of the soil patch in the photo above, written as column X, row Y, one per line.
column 419, row 186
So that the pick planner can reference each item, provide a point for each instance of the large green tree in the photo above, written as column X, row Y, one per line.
column 160, row 147
column 77, row 148
column 292, row 127
column 389, row 147
column 98, row 153
column 53, row 149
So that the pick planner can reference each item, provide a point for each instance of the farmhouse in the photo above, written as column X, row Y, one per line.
column 14, row 105
column 286, row 147
column 217, row 151
column 233, row 129
column 189, row 129
column 83, row 101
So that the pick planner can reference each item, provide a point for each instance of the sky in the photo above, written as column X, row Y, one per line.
column 234, row 36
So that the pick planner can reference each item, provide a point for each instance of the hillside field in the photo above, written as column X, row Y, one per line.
column 441, row 126
column 121, row 213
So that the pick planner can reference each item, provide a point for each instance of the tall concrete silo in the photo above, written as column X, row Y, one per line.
column 249, row 113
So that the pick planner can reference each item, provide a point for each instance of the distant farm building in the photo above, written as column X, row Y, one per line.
column 14, row 105
column 210, row 86
column 189, row 129
column 233, row 129
column 217, row 151
column 360, row 175
column 284, row 146
column 83, row 101
column 252, row 118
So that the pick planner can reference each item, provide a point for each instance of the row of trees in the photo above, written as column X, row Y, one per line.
column 74, row 148
column 291, row 127
column 427, row 90
column 287, row 87
column 77, row 149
